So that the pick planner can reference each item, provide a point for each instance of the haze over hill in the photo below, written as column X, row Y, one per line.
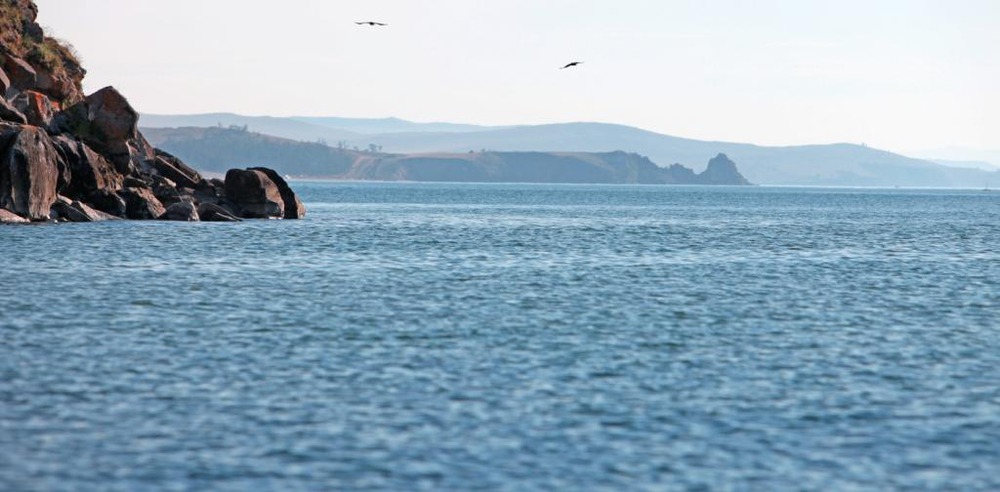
column 808, row 165
column 213, row 149
column 961, row 157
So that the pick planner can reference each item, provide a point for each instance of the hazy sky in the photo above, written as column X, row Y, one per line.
column 896, row 74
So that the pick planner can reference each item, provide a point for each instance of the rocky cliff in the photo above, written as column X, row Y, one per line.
column 66, row 156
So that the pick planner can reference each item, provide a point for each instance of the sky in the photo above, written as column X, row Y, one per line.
column 894, row 74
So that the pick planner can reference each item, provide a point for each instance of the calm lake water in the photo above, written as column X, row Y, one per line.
column 512, row 337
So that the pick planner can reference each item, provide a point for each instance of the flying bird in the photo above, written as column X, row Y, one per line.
column 371, row 23
column 570, row 65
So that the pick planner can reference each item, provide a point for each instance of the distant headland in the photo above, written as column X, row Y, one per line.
column 214, row 149
column 67, row 156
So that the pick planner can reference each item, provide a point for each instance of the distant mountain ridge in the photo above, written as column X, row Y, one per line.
column 375, row 126
column 809, row 165
column 214, row 149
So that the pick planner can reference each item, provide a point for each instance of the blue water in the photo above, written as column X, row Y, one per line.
column 508, row 337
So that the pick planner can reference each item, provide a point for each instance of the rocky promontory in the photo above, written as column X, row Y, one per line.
column 67, row 156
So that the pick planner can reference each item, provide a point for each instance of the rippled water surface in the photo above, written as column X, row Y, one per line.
column 469, row 337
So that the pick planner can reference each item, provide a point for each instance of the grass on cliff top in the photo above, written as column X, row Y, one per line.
column 16, row 38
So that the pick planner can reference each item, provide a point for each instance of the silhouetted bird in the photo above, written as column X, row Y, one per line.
column 371, row 23
column 570, row 65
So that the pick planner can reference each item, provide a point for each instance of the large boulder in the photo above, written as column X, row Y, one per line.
column 254, row 193
column 181, row 212
column 294, row 209
column 108, row 123
column 141, row 204
column 89, row 171
column 29, row 174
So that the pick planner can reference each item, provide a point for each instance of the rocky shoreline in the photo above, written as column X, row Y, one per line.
column 66, row 157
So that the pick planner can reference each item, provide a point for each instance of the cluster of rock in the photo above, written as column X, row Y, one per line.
column 721, row 170
column 69, row 157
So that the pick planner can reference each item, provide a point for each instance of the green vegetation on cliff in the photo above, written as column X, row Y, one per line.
column 22, row 37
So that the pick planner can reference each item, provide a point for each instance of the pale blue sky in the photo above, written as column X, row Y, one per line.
column 896, row 74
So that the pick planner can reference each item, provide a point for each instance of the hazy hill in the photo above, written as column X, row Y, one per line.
column 279, row 127
column 961, row 157
column 219, row 149
column 816, row 165
column 374, row 126
column 822, row 165
column 307, row 128
column 216, row 149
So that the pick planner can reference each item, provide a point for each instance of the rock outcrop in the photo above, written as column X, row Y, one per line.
column 722, row 171
column 69, row 157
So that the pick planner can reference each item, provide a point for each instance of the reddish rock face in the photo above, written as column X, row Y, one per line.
column 29, row 174
column 255, row 194
column 104, row 118
column 107, row 123
column 111, row 115
column 58, row 88
column 36, row 107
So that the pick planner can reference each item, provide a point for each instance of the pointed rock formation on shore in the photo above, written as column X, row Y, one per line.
column 65, row 156
column 722, row 170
